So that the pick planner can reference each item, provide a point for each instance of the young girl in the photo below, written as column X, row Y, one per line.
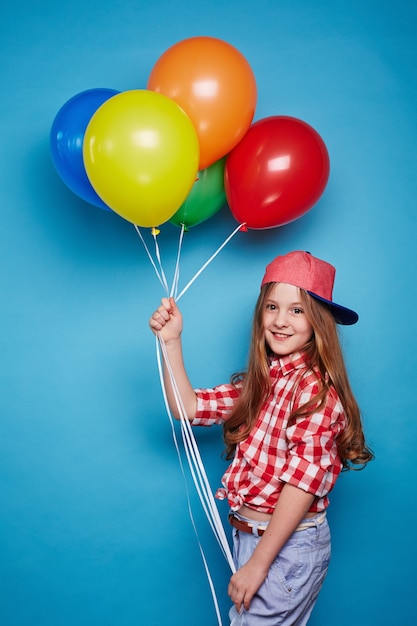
column 291, row 424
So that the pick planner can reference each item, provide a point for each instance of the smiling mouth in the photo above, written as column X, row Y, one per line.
column 281, row 335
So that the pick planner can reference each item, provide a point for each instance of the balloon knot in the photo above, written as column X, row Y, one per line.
column 155, row 231
column 243, row 228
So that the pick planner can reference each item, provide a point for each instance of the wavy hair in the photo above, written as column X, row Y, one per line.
column 324, row 355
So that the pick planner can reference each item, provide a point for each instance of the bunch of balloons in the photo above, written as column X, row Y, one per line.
column 179, row 149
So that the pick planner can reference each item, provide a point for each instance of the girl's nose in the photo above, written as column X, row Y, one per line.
column 281, row 319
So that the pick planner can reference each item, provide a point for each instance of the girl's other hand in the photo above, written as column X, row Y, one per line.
column 167, row 320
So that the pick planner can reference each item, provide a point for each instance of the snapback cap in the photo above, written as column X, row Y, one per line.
column 306, row 271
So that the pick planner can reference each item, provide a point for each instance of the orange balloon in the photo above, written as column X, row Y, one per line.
column 214, row 84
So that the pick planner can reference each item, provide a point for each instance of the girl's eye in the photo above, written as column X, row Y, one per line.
column 270, row 307
column 298, row 311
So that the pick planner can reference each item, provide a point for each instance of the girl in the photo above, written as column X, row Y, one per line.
column 291, row 424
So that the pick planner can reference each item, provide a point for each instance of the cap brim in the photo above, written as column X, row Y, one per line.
column 341, row 314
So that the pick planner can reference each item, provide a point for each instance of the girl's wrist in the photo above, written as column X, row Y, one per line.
column 261, row 565
column 173, row 343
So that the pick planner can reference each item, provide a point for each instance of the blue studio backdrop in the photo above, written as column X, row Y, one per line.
column 94, row 522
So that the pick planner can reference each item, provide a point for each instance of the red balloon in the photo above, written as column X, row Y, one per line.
column 276, row 173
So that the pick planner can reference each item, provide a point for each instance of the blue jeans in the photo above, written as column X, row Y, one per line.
column 288, row 594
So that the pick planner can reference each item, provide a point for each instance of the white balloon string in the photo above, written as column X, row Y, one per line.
column 208, row 262
column 158, row 256
column 174, row 288
column 192, row 452
column 203, row 486
column 195, row 463
column 210, row 580
column 161, row 274
column 206, row 567
column 202, row 490
column 158, row 274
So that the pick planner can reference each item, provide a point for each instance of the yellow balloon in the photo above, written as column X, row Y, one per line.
column 141, row 155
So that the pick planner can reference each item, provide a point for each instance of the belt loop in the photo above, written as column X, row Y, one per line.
column 318, row 521
column 255, row 530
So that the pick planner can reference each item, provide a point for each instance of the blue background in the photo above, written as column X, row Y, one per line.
column 94, row 526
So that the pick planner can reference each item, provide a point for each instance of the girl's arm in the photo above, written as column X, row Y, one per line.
column 167, row 321
column 291, row 508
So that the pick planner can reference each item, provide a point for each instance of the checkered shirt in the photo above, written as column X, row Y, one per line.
column 303, row 454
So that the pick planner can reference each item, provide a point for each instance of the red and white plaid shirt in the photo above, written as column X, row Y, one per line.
column 303, row 454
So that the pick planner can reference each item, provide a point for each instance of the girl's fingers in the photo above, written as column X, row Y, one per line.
column 163, row 314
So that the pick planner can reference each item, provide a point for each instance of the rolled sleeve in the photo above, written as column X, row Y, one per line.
column 215, row 405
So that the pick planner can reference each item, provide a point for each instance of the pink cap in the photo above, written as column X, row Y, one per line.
column 304, row 270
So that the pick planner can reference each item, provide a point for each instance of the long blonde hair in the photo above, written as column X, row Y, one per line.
column 324, row 353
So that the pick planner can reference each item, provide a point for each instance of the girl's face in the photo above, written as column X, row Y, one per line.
column 285, row 324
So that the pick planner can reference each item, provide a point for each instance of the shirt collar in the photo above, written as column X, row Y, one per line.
column 286, row 364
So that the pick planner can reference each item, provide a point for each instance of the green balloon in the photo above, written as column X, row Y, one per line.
column 207, row 196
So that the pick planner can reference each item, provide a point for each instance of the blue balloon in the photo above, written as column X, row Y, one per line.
column 66, row 141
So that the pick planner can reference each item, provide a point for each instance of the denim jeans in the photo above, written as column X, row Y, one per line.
column 288, row 594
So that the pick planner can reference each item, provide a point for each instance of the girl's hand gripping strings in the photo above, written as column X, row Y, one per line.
column 166, row 323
